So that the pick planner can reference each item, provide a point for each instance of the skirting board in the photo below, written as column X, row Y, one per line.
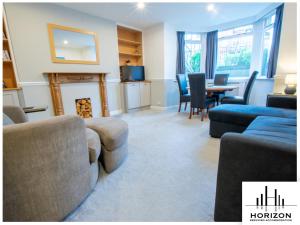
column 162, row 108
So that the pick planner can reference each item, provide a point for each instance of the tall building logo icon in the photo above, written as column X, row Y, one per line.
column 269, row 202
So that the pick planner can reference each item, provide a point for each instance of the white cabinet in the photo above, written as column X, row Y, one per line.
column 145, row 93
column 137, row 94
column 133, row 95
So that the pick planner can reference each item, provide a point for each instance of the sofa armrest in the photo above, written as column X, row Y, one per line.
column 246, row 158
column 282, row 101
column 45, row 164
column 15, row 113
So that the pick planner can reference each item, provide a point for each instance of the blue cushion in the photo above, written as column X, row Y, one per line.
column 273, row 128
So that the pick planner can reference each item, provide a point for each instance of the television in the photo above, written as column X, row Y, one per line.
column 132, row 73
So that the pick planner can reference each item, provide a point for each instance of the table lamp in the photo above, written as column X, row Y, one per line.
column 291, row 83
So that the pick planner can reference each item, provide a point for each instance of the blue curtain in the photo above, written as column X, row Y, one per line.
column 211, row 54
column 180, row 67
column 272, row 63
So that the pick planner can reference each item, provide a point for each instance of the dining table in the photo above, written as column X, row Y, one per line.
column 218, row 88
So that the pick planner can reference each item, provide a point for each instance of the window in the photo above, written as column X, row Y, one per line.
column 267, row 42
column 234, row 51
column 192, row 52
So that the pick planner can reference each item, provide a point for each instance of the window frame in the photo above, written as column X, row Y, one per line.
column 264, row 30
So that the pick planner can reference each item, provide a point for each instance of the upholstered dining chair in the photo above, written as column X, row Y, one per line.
column 220, row 80
column 184, row 95
column 199, row 100
column 241, row 100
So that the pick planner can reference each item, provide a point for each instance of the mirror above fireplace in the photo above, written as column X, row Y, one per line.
column 72, row 45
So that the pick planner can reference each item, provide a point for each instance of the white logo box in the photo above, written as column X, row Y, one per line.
column 271, row 203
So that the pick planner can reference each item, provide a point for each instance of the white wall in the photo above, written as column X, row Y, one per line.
column 27, row 23
column 287, row 58
column 170, row 51
column 153, row 40
column 160, row 49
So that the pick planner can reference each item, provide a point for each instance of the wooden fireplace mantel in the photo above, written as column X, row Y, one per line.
column 58, row 78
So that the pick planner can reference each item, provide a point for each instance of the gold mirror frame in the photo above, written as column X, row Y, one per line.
column 51, row 27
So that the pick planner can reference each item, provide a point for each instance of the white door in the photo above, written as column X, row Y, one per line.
column 133, row 95
column 145, row 93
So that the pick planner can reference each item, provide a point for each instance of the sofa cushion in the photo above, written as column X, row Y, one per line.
column 274, row 129
column 244, row 114
column 94, row 145
column 113, row 132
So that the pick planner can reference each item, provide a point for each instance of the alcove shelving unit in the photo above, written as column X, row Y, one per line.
column 9, row 74
column 130, row 47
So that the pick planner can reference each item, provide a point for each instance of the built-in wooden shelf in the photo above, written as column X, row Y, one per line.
column 9, row 75
column 130, row 54
column 130, row 46
column 129, row 42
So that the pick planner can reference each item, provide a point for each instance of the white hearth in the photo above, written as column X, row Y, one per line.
column 73, row 91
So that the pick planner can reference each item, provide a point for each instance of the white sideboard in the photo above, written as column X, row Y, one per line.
column 137, row 94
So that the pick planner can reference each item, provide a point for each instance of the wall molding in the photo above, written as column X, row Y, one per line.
column 33, row 83
column 163, row 108
column 46, row 83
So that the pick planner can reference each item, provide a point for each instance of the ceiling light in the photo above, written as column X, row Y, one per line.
column 141, row 5
column 66, row 42
column 210, row 7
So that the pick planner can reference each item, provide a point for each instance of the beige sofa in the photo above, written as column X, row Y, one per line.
column 49, row 167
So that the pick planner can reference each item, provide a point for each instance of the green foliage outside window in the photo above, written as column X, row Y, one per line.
column 193, row 63
column 264, row 67
column 236, row 61
column 241, row 59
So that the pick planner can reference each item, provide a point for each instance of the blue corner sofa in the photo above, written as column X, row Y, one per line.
column 257, row 144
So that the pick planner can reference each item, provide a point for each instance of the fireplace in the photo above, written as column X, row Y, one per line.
column 84, row 107
column 56, row 79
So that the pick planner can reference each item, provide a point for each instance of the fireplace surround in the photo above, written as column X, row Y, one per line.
column 58, row 78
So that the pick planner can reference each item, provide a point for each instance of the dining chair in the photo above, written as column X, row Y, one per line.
column 199, row 100
column 184, row 95
column 238, row 99
column 220, row 79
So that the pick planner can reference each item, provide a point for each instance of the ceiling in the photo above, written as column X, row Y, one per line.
column 183, row 16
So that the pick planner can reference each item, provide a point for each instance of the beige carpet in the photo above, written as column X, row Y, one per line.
column 169, row 174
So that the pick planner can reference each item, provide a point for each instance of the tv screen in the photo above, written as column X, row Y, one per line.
column 132, row 73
